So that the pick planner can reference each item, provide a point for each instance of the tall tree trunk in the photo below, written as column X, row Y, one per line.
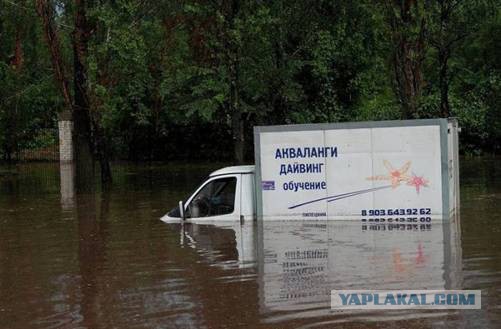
column 18, row 51
column 232, row 58
column 236, row 112
column 46, row 13
column 444, row 52
column 81, row 106
column 443, row 58
column 278, row 99
column 408, row 54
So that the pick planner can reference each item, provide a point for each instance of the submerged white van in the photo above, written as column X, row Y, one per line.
column 374, row 172
column 228, row 194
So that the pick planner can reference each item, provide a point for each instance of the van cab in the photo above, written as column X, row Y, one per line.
column 228, row 194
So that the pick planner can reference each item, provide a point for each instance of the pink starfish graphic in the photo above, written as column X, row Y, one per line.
column 417, row 182
column 395, row 176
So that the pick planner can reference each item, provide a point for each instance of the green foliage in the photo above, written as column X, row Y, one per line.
column 29, row 100
column 160, row 72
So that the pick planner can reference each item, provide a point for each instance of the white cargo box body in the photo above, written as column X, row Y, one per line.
column 388, row 171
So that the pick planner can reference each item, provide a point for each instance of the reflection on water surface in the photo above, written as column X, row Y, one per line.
column 105, row 260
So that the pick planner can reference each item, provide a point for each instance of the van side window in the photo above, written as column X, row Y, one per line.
column 214, row 199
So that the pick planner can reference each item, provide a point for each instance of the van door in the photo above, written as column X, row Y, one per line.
column 217, row 199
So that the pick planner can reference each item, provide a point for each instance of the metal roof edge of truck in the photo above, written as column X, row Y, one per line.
column 249, row 169
column 353, row 125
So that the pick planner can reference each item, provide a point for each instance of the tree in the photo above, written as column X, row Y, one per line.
column 407, row 22
column 172, row 79
column 451, row 21
column 77, row 103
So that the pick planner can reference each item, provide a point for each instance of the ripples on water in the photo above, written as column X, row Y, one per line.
column 104, row 260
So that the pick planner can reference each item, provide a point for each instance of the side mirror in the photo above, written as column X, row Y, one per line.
column 181, row 210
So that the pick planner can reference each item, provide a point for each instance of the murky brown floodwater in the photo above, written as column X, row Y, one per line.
column 107, row 261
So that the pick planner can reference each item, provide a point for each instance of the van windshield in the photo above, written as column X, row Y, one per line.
column 216, row 198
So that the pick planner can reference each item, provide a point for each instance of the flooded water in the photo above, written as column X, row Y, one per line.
column 105, row 260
